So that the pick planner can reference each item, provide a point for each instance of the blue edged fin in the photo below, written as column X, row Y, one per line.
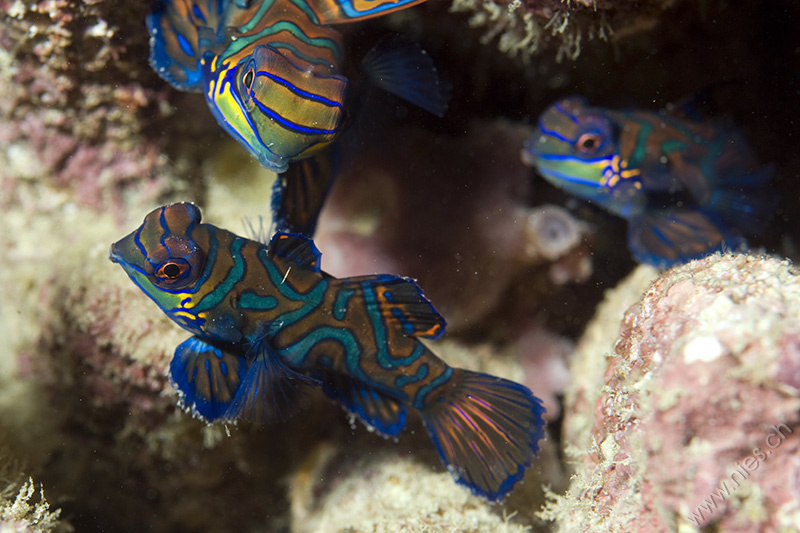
column 377, row 411
column 299, row 193
column 181, row 32
column 669, row 237
column 206, row 377
column 487, row 431
column 269, row 391
column 399, row 302
column 297, row 249
column 405, row 69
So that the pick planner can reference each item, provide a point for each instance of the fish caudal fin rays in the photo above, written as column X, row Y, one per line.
column 487, row 431
column 181, row 32
column 668, row 237
column 299, row 193
column 403, row 68
column 377, row 411
column 296, row 249
column 342, row 11
column 270, row 390
column 207, row 378
column 398, row 301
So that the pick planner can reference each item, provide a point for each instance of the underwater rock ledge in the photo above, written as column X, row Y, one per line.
column 699, row 416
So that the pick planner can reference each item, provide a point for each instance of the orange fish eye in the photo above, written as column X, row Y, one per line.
column 588, row 142
column 171, row 271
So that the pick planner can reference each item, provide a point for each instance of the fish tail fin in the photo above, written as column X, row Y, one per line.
column 487, row 431
column 181, row 31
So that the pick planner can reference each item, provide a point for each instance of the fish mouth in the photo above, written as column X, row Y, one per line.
column 113, row 256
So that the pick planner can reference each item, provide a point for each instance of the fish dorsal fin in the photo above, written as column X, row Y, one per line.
column 297, row 249
column 400, row 303
column 377, row 411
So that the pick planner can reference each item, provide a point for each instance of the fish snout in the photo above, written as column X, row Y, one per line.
column 113, row 255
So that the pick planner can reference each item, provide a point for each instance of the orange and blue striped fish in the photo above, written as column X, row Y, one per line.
column 271, row 70
column 266, row 323
column 687, row 185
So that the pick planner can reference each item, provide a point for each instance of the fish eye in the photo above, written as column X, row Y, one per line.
column 172, row 271
column 589, row 142
column 248, row 78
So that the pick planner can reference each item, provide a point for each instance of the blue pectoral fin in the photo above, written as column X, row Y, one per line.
column 487, row 431
column 403, row 68
column 377, row 411
column 299, row 193
column 670, row 237
column 207, row 377
column 181, row 31
column 269, row 391
column 399, row 302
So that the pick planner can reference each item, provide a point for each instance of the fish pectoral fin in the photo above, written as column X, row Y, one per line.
column 270, row 390
column 672, row 236
column 300, row 192
column 181, row 32
column 404, row 69
column 487, row 431
column 296, row 249
column 206, row 377
column 377, row 411
column 400, row 303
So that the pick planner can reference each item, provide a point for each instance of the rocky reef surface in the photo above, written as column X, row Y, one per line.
column 692, row 420
column 698, row 373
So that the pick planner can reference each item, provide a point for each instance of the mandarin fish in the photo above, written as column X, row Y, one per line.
column 267, row 323
column 687, row 186
column 271, row 74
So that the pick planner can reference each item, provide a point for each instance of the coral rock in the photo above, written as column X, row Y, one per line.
column 698, row 422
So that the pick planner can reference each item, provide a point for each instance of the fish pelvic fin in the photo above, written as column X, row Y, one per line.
column 270, row 391
column 673, row 236
column 487, row 431
column 207, row 377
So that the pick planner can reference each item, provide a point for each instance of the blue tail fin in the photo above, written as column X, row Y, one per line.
column 487, row 431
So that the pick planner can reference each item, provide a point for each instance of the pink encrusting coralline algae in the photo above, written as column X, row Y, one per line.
column 698, row 421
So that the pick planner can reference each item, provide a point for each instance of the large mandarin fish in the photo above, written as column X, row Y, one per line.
column 266, row 322
column 271, row 74
column 688, row 186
